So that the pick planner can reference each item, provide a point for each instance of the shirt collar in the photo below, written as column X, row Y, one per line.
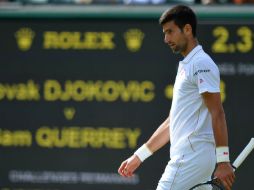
column 192, row 53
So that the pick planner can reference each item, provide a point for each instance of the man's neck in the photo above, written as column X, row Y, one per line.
column 192, row 44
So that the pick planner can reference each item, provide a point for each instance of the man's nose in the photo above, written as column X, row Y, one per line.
column 166, row 39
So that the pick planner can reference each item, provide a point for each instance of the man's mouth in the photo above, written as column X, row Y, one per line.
column 172, row 45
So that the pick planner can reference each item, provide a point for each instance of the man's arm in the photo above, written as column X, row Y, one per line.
column 224, row 172
column 159, row 138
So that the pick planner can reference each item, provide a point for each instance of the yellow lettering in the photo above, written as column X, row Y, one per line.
column 50, row 40
column 85, row 137
column 52, row 90
column 117, row 139
column 131, row 91
column 107, row 40
column 147, row 93
column 6, row 138
column 15, row 138
column 79, row 90
column 65, row 40
column 169, row 91
column 222, row 91
column 76, row 40
column 66, row 95
column 91, row 40
column 57, row 137
column 94, row 90
column 22, row 91
column 132, row 137
column 108, row 91
column 43, row 137
column 74, row 137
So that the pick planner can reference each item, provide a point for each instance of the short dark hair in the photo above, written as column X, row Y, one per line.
column 181, row 15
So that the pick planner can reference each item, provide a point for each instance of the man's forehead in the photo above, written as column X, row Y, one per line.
column 169, row 25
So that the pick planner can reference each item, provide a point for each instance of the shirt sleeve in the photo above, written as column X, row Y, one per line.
column 206, row 76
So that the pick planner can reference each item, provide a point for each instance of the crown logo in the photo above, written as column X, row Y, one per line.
column 134, row 39
column 24, row 37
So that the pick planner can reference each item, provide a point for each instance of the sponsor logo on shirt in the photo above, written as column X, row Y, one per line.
column 201, row 71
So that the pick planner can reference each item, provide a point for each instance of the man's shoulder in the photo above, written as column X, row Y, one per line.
column 203, row 59
column 203, row 56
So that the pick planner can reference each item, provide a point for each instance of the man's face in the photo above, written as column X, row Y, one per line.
column 174, row 37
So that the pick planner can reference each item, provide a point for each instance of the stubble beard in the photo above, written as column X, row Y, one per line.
column 179, row 49
column 176, row 50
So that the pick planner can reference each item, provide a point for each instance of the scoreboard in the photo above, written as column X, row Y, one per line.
column 78, row 96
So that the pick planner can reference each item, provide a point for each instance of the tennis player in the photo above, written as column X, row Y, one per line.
column 196, row 126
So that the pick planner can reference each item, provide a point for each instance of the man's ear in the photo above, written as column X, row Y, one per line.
column 187, row 29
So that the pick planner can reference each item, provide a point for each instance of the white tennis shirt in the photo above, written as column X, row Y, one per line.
column 190, row 120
